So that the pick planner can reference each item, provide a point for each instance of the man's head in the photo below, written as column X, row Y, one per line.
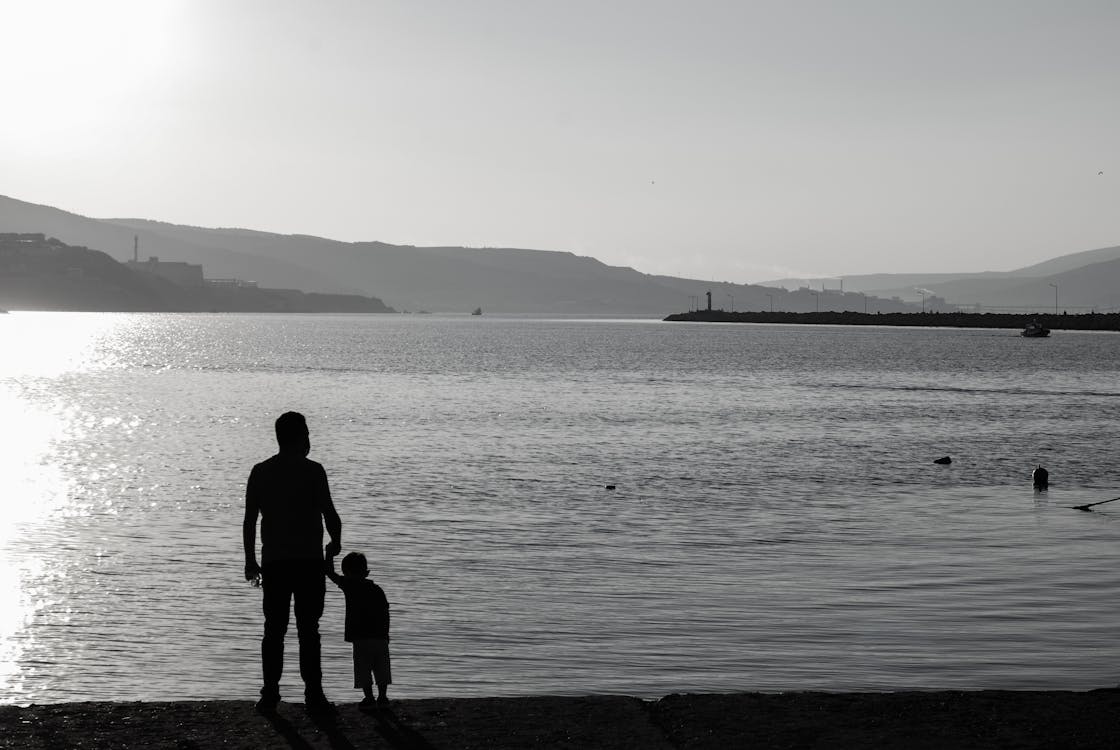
column 291, row 433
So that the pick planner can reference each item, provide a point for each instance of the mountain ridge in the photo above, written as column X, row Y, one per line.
column 448, row 278
column 437, row 278
column 1026, row 287
column 40, row 273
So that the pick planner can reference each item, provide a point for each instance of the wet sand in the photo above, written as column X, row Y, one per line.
column 980, row 719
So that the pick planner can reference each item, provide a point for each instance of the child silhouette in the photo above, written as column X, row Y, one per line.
column 367, row 626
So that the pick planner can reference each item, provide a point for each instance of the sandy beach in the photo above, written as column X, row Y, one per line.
column 971, row 719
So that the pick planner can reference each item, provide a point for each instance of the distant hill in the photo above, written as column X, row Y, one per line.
column 117, row 241
column 500, row 280
column 1069, row 262
column 458, row 279
column 1094, row 286
column 1085, row 282
column 40, row 273
column 436, row 279
column 523, row 281
column 880, row 282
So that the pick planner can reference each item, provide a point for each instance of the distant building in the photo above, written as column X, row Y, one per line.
column 183, row 274
column 231, row 284
column 21, row 237
column 29, row 245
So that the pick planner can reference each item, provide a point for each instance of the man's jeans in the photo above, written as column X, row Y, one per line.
column 283, row 581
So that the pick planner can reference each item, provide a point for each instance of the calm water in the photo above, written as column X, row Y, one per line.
column 778, row 522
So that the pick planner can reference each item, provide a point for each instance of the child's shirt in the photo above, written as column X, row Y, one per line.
column 367, row 609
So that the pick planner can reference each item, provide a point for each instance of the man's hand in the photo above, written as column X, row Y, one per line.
column 252, row 570
column 333, row 548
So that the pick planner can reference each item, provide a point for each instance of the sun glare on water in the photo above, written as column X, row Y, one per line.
column 33, row 489
column 36, row 347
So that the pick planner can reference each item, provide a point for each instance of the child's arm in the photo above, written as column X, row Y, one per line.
column 328, row 568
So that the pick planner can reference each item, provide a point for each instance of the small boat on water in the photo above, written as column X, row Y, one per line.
column 1034, row 330
column 476, row 311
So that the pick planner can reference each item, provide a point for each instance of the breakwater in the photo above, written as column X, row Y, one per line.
column 1079, row 322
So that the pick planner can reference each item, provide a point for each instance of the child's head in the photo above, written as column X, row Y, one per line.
column 354, row 565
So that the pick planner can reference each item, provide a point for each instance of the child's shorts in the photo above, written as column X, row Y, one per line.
column 371, row 655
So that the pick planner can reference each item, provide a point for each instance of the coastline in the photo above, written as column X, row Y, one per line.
column 1075, row 322
column 911, row 719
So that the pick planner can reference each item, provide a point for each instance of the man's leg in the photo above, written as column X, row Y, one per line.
column 277, row 586
column 309, row 598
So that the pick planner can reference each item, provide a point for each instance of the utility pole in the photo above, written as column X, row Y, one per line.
column 771, row 296
column 1055, row 298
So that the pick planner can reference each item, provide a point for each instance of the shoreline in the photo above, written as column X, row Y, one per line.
column 910, row 719
column 1076, row 322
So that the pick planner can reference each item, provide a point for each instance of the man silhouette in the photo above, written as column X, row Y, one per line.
column 292, row 497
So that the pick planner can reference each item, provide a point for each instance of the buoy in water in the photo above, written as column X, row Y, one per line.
column 1041, row 478
column 943, row 460
column 610, row 486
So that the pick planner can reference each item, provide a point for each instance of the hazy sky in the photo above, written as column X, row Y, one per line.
column 739, row 141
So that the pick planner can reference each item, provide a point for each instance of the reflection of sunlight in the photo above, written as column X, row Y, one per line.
column 14, row 615
column 31, row 485
column 35, row 347
column 49, row 344
column 32, row 489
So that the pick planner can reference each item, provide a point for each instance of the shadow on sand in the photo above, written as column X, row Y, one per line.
column 348, row 729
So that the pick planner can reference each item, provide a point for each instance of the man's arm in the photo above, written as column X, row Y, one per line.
column 331, row 520
column 249, row 531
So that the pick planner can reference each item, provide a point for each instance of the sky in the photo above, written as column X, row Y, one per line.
column 733, row 141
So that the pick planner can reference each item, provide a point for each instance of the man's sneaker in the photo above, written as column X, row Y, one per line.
column 367, row 703
column 268, row 703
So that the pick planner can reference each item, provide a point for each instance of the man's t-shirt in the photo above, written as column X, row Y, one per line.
column 291, row 493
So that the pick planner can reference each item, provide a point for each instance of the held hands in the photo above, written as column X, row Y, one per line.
column 333, row 548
